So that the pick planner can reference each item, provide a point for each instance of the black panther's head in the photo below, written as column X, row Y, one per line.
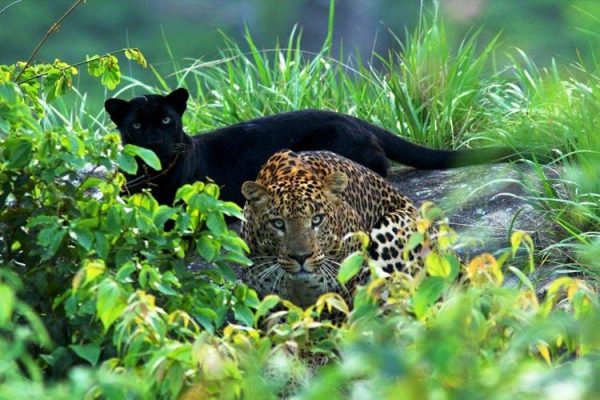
column 151, row 121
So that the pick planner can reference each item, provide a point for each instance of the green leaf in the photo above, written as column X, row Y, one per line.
column 165, row 289
column 185, row 193
column 523, row 278
column 110, row 303
column 240, row 293
column 265, row 306
column 428, row 292
column 112, row 73
column 162, row 214
column 7, row 303
column 236, row 258
column 127, row 163
column 62, row 85
column 350, row 266
column 227, row 272
column 206, row 317
column 89, row 352
column 215, row 222
column 413, row 241
column 137, row 56
column 93, row 269
column 95, row 66
column 231, row 209
column 82, row 236
column 146, row 155
column 437, row 265
column 208, row 248
column 18, row 152
column 454, row 263
column 9, row 91
column 243, row 314
column 102, row 246
column 50, row 238
column 125, row 272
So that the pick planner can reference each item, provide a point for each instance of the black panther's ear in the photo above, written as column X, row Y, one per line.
column 178, row 100
column 117, row 109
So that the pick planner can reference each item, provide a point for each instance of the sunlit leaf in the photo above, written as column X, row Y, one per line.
column 437, row 265
column 266, row 305
column 350, row 267
column 428, row 292
column 147, row 155
column 137, row 56
column 110, row 302
column 7, row 302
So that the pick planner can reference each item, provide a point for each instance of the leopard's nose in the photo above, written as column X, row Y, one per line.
column 300, row 258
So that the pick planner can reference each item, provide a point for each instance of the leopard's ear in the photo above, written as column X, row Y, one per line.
column 256, row 194
column 336, row 183
column 116, row 109
column 178, row 100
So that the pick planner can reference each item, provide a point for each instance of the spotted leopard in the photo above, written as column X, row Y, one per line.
column 299, row 213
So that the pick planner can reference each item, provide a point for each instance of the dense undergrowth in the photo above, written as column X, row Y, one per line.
column 97, row 300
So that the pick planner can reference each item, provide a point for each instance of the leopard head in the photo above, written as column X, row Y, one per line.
column 294, row 227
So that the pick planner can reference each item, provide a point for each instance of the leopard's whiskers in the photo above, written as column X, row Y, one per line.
column 257, row 279
column 332, row 267
column 254, row 266
column 329, row 276
column 278, row 278
column 262, row 257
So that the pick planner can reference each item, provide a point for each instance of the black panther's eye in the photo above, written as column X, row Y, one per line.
column 166, row 120
column 137, row 125
column 278, row 224
column 317, row 220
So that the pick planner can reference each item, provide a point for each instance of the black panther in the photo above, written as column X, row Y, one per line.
column 234, row 154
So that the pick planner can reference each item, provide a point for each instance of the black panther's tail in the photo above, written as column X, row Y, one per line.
column 421, row 157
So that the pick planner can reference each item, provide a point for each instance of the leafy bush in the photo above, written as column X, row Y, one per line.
column 89, row 257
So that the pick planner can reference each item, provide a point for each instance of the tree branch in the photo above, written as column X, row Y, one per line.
column 9, row 6
column 53, row 28
column 74, row 65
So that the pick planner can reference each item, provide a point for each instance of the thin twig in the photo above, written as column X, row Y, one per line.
column 152, row 178
column 52, row 29
column 112, row 53
column 9, row 6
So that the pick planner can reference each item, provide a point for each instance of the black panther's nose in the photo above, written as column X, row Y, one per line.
column 300, row 258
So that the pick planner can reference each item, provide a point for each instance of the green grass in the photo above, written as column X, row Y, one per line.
column 430, row 92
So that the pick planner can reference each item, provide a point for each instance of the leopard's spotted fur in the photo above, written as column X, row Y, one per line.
column 300, row 209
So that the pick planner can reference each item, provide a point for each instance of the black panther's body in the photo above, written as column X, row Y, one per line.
column 235, row 154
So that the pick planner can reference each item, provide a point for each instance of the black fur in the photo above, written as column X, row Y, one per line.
column 234, row 154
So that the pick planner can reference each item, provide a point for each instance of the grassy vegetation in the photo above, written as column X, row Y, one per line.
column 96, row 299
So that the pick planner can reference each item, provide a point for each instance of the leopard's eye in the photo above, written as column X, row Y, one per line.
column 278, row 224
column 166, row 120
column 317, row 220
column 137, row 125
